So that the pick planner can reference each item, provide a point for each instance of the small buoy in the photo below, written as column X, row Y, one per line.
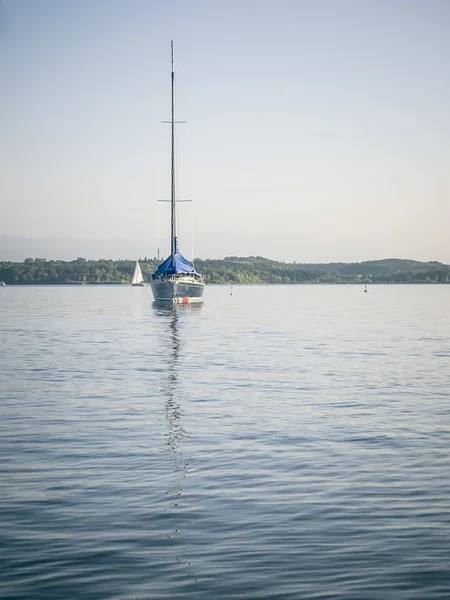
column 366, row 290
column 186, row 300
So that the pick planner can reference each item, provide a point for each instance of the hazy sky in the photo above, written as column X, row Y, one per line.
column 316, row 130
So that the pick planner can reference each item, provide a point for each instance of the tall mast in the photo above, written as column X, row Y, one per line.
column 173, row 232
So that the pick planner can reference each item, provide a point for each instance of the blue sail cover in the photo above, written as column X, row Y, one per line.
column 179, row 265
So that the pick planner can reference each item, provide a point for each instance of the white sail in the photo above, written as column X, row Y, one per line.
column 137, row 277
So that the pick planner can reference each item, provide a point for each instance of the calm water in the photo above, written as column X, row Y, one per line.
column 285, row 442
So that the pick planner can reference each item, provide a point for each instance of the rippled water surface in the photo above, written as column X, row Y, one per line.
column 282, row 442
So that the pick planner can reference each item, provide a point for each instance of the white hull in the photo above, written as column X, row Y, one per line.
column 179, row 290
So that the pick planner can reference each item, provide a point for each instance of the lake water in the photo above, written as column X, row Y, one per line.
column 282, row 442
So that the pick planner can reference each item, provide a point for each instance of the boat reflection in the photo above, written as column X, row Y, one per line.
column 174, row 413
column 176, row 436
column 167, row 307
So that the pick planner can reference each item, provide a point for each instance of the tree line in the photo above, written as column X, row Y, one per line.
column 230, row 270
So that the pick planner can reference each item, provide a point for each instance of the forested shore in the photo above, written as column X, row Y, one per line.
column 231, row 270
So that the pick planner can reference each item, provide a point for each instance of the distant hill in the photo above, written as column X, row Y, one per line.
column 257, row 269
column 374, row 267
column 230, row 270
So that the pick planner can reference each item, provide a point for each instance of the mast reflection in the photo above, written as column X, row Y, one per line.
column 175, row 431
column 176, row 435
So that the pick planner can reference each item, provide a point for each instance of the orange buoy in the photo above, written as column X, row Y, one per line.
column 186, row 300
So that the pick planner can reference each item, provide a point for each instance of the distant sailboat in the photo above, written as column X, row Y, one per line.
column 138, row 280
column 176, row 280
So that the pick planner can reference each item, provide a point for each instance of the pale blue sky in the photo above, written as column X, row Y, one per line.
column 316, row 131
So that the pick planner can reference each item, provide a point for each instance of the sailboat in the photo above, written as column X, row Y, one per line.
column 176, row 280
column 138, row 280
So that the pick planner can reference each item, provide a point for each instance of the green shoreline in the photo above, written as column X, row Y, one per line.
column 231, row 270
